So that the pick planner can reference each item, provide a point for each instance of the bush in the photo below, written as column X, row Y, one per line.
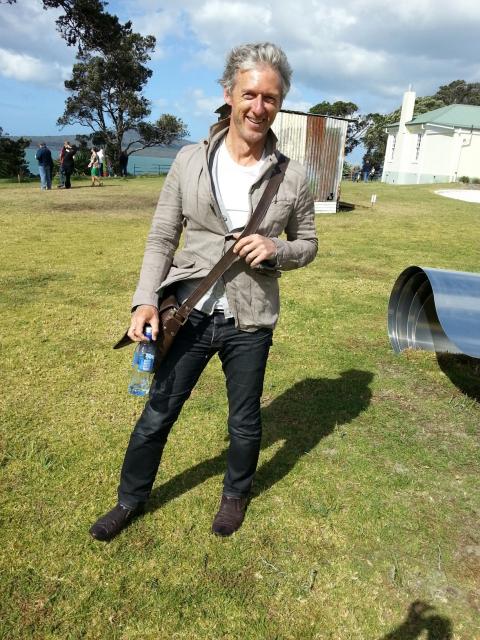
column 475, row 180
column 464, row 179
column 82, row 158
column 12, row 156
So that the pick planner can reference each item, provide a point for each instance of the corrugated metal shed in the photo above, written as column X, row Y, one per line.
column 317, row 142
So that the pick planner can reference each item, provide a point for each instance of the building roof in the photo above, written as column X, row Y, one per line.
column 455, row 115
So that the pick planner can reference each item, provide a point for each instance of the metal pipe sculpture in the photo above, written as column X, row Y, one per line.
column 435, row 310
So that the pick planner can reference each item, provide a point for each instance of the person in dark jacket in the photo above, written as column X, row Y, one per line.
column 366, row 168
column 123, row 161
column 68, row 163
column 45, row 165
column 61, row 172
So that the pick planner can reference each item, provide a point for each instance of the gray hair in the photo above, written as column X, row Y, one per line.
column 249, row 56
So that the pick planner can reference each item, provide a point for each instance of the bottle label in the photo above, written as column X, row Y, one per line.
column 145, row 362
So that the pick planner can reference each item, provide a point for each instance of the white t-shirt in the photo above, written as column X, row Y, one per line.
column 232, row 183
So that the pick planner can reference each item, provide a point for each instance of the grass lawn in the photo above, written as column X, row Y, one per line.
column 364, row 523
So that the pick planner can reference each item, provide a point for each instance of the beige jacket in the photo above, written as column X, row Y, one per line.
column 187, row 203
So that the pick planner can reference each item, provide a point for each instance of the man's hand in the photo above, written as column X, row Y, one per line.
column 255, row 249
column 144, row 314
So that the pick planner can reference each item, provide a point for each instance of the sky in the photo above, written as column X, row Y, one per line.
column 359, row 51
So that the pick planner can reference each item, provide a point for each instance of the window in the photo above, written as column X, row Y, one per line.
column 394, row 141
column 419, row 144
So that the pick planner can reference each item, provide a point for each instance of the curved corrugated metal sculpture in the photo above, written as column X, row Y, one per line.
column 435, row 310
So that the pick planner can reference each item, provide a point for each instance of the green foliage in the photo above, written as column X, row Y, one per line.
column 12, row 156
column 459, row 92
column 82, row 158
column 337, row 109
column 464, row 179
column 86, row 23
column 475, row 180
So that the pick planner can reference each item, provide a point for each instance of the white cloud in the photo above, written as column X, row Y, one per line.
column 31, row 48
column 360, row 49
column 202, row 105
column 26, row 68
column 160, row 103
column 296, row 105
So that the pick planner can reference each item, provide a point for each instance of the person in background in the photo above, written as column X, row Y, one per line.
column 366, row 168
column 95, row 168
column 45, row 165
column 61, row 171
column 123, row 161
column 101, row 160
column 210, row 193
column 68, row 163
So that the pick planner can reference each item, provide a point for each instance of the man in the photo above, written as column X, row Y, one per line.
column 210, row 192
column 45, row 164
column 366, row 168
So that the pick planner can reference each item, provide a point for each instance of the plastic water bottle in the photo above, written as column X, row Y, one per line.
column 143, row 365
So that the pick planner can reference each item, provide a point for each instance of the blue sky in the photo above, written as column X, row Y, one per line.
column 358, row 51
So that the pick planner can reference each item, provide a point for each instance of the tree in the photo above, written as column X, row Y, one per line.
column 83, row 21
column 459, row 92
column 348, row 110
column 12, row 156
column 82, row 155
column 108, row 79
column 106, row 96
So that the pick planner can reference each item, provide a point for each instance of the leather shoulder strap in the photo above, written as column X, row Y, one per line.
column 251, row 227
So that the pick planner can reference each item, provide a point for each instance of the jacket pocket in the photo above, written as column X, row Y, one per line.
column 183, row 260
column 276, row 218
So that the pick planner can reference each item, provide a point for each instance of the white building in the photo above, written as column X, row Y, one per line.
column 438, row 146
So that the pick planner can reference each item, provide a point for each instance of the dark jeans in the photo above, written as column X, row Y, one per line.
column 244, row 358
column 67, row 173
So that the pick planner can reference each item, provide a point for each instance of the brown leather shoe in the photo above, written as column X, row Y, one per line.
column 230, row 516
column 110, row 525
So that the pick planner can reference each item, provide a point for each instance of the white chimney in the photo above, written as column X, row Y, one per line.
column 408, row 106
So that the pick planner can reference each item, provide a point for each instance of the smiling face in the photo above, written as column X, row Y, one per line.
column 255, row 100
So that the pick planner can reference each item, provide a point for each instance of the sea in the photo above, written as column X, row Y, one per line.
column 137, row 164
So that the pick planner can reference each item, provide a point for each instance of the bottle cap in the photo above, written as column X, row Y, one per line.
column 148, row 331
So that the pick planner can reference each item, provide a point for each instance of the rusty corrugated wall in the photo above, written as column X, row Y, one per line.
column 317, row 142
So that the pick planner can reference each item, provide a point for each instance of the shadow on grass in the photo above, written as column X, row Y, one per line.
column 346, row 206
column 300, row 417
column 463, row 371
column 422, row 617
